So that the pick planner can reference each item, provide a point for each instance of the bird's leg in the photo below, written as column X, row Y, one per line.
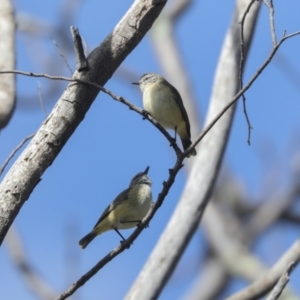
column 123, row 239
column 117, row 231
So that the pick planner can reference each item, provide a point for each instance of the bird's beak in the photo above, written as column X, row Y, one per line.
column 146, row 171
column 136, row 83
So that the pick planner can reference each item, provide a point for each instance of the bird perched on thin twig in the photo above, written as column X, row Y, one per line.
column 126, row 211
column 163, row 102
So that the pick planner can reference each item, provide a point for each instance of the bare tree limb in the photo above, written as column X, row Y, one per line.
column 208, row 284
column 238, row 260
column 32, row 278
column 177, row 8
column 189, row 210
column 242, row 64
column 270, row 211
column 12, row 154
column 81, row 62
column 265, row 283
column 111, row 94
column 125, row 245
column 269, row 4
column 7, row 61
column 70, row 110
column 282, row 282
column 229, row 248
column 239, row 94
column 208, row 127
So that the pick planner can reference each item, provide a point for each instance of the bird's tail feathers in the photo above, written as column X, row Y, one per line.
column 87, row 239
column 186, row 143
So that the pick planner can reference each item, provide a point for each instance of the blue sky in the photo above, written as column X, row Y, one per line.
column 112, row 144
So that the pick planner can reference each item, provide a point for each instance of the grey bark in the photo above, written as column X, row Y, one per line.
column 197, row 192
column 71, row 108
column 7, row 62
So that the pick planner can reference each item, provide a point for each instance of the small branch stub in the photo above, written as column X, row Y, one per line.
column 81, row 61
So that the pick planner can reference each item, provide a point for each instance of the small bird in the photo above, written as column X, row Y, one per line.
column 126, row 211
column 163, row 102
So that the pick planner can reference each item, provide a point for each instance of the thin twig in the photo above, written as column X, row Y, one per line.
column 61, row 54
column 14, row 152
column 173, row 172
column 241, row 70
column 282, row 282
column 242, row 91
column 108, row 92
column 41, row 99
column 147, row 116
column 269, row 4
column 167, row 184
column 124, row 245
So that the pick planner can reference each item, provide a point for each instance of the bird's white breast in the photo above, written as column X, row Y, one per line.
column 162, row 107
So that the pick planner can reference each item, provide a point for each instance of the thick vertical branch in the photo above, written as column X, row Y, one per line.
column 7, row 61
column 71, row 108
column 188, row 213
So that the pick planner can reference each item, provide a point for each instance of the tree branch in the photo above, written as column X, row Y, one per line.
column 269, row 4
column 7, row 61
column 242, row 91
column 196, row 195
column 71, row 108
column 125, row 245
column 108, row 92
column 241, row 72
column 11, row 155
column 282, row 282
column 32, row 278
column 265, row 283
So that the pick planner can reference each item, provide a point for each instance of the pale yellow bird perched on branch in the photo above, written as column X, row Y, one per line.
column 126, row 211
column 163, row 102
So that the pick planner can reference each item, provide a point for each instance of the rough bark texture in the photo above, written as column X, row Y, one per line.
column 71, row 108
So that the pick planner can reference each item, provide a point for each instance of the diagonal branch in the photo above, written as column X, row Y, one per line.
column 12, row 154
column 265, row 283
column 124, row 245
column 242, row 91
column 153, row 121
column 282, row 282
column 36, row 284
column 108, row 92
column 71, row 108
column 196, row 195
